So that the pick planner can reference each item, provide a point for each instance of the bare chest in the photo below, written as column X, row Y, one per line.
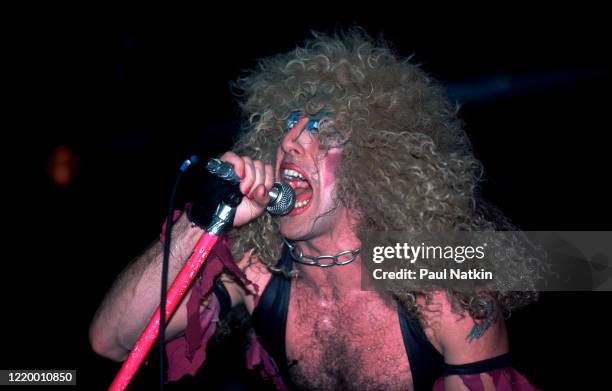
column 348, row 341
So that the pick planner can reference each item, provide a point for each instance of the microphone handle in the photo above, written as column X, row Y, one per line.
column 282, row 196
column 223, row 170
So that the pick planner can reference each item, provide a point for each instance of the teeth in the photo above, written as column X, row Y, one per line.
column 290, row 174
column 302, row 203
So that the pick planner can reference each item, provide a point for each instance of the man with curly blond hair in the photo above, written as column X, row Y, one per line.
column 368, row 141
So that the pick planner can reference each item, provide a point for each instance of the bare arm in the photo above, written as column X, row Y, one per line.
column 128, row 306
column 463, row 339
column 134, row 296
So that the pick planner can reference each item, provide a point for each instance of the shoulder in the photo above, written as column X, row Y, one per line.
column 459, row 336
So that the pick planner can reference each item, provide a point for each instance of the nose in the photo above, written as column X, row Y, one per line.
column 291, row 142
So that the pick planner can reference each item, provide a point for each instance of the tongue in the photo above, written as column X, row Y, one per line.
column 301, row 191
column 299, row 184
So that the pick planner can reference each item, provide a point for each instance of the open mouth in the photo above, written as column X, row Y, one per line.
column 298, row 180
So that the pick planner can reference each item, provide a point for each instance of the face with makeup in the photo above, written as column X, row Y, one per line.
column 310, row 170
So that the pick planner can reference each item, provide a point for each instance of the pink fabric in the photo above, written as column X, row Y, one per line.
column 504, row 379
column 187, row 353
column 186, row 358
column 258, row 357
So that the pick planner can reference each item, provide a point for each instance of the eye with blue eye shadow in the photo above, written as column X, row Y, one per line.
column 313, row 123
column 293, row 120
column 313, row 126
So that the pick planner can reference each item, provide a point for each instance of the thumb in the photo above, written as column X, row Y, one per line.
column 260, row 196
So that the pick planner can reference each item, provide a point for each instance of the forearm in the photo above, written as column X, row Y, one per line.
column 134, row 296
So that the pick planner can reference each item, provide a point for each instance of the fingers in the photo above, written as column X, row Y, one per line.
column 257, row 181
column 260, row 177
column 250, row 175
column 235, row 161
column 257, row 177
column 269, row 173
column 260, row 196
column 263, row 184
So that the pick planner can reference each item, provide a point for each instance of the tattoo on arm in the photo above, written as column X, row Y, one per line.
column 481, row 325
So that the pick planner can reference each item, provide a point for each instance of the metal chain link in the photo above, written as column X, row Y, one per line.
column 298, row 256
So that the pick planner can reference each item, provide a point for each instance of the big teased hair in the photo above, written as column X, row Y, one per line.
column 407, row 163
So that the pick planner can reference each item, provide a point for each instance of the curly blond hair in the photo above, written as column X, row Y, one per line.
column 407, row 163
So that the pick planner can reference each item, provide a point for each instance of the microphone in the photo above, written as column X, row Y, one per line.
column 223, row 170
column 282, row 199
column 282, row 196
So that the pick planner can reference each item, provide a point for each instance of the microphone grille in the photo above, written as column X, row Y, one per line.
column 282, row 199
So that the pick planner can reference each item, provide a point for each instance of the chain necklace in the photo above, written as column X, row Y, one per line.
column 342, row 258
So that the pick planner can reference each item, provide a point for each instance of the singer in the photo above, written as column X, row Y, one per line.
column 368, row 141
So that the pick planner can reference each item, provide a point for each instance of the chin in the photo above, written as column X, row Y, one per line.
column 292, row 229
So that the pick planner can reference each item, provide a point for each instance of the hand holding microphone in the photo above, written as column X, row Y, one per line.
column 255, row 181
column 219, row 189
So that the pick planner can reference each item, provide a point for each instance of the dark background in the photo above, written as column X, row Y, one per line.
column 133, row 94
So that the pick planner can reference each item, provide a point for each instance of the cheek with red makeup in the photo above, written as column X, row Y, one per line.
column 331, row 162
